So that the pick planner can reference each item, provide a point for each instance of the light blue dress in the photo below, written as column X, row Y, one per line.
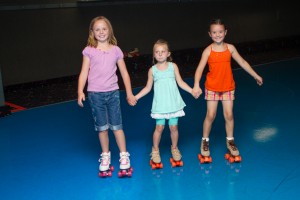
column 167, row 101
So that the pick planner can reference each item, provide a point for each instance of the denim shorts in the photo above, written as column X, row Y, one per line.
column 106, row 110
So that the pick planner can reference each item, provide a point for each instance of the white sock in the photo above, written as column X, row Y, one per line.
column 206, row 139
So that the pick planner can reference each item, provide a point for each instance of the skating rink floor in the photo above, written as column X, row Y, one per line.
column 52, row 152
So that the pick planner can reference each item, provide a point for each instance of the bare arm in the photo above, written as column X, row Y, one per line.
column 244, row 64
column 199, row 71
column 148, row 86
column 82, row 80
column 126, row 79
column 179, row 80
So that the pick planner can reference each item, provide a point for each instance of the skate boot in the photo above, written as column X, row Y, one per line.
column 155, row 161
column 176, row 157
column 233, row 154
column 105, row 168
column 205, row 148
column 104, row 161
column 204, row 157
column 125, row 168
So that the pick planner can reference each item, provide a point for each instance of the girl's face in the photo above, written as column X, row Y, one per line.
column 217, row 33
column 101, row 31
column 161, row 52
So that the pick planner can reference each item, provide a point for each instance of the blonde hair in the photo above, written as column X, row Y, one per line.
column 92, row 42
column 161, row 42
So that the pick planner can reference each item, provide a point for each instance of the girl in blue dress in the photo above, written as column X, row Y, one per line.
column 167, row 102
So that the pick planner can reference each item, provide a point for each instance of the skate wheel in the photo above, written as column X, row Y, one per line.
column 123, row 172
column 119, row 174
column 238, row 159
column 181, row 163
column 129, row 174
column 201, row 160
column 160, row 165
column 227, row 156
column 109, row 174
column 231, row 159
column 199, row 156
column 210, row 159
column 112, row 168
column 173, row 164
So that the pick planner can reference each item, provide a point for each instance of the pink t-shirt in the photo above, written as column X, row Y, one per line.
column 103, row 66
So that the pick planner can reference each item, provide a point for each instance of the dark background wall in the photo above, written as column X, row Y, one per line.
column 40, row 43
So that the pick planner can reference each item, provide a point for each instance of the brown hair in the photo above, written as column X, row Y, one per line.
column 216, row 22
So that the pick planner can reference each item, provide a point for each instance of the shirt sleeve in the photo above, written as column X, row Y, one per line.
column 86, row 52
column 119, row 53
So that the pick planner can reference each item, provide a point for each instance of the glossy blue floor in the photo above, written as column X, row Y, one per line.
column 52, row 152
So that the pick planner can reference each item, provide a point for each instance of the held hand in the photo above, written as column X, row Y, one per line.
column 196, row 92
column 259, row 80
column 81, row 97
column 131, row 100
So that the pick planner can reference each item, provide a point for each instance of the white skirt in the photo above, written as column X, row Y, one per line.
column 179, row 113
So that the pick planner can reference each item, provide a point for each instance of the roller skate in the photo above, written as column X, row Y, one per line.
column 204, row 156
column 155, row 161
column 125, row 169
column 176, row 157
column 233, row 154
column 105, row 169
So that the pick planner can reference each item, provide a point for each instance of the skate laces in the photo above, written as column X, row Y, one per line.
column 124, row 160
column 154, row 154
column 104, row 159
column 176, row 152
column 232, row 145
column 205, row 145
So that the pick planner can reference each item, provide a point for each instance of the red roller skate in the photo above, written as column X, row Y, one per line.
column 204, row 157
column 176, row 157
column 233, row 154
column 155, row 161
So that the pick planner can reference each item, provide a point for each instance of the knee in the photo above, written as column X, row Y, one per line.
column 173, row 129
column 228, row 116
column 159, row 128
column 210, row 116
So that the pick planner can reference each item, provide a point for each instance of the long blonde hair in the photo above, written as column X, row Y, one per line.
column 92, row 42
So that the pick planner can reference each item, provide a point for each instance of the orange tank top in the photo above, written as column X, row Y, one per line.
column 219, row 77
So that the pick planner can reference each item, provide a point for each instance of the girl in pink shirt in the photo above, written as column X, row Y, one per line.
column 101, row 58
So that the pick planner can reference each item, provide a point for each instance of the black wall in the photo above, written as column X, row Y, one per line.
column 42, row 44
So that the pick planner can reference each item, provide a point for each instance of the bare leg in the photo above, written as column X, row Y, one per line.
column 174, row 135
column 228, row 116
column 104, row 140
column 120, row 139
column 157, row 136
column 210, row 117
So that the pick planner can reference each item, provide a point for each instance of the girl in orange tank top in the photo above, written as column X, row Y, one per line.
column 219, row 85
column 219, row 78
